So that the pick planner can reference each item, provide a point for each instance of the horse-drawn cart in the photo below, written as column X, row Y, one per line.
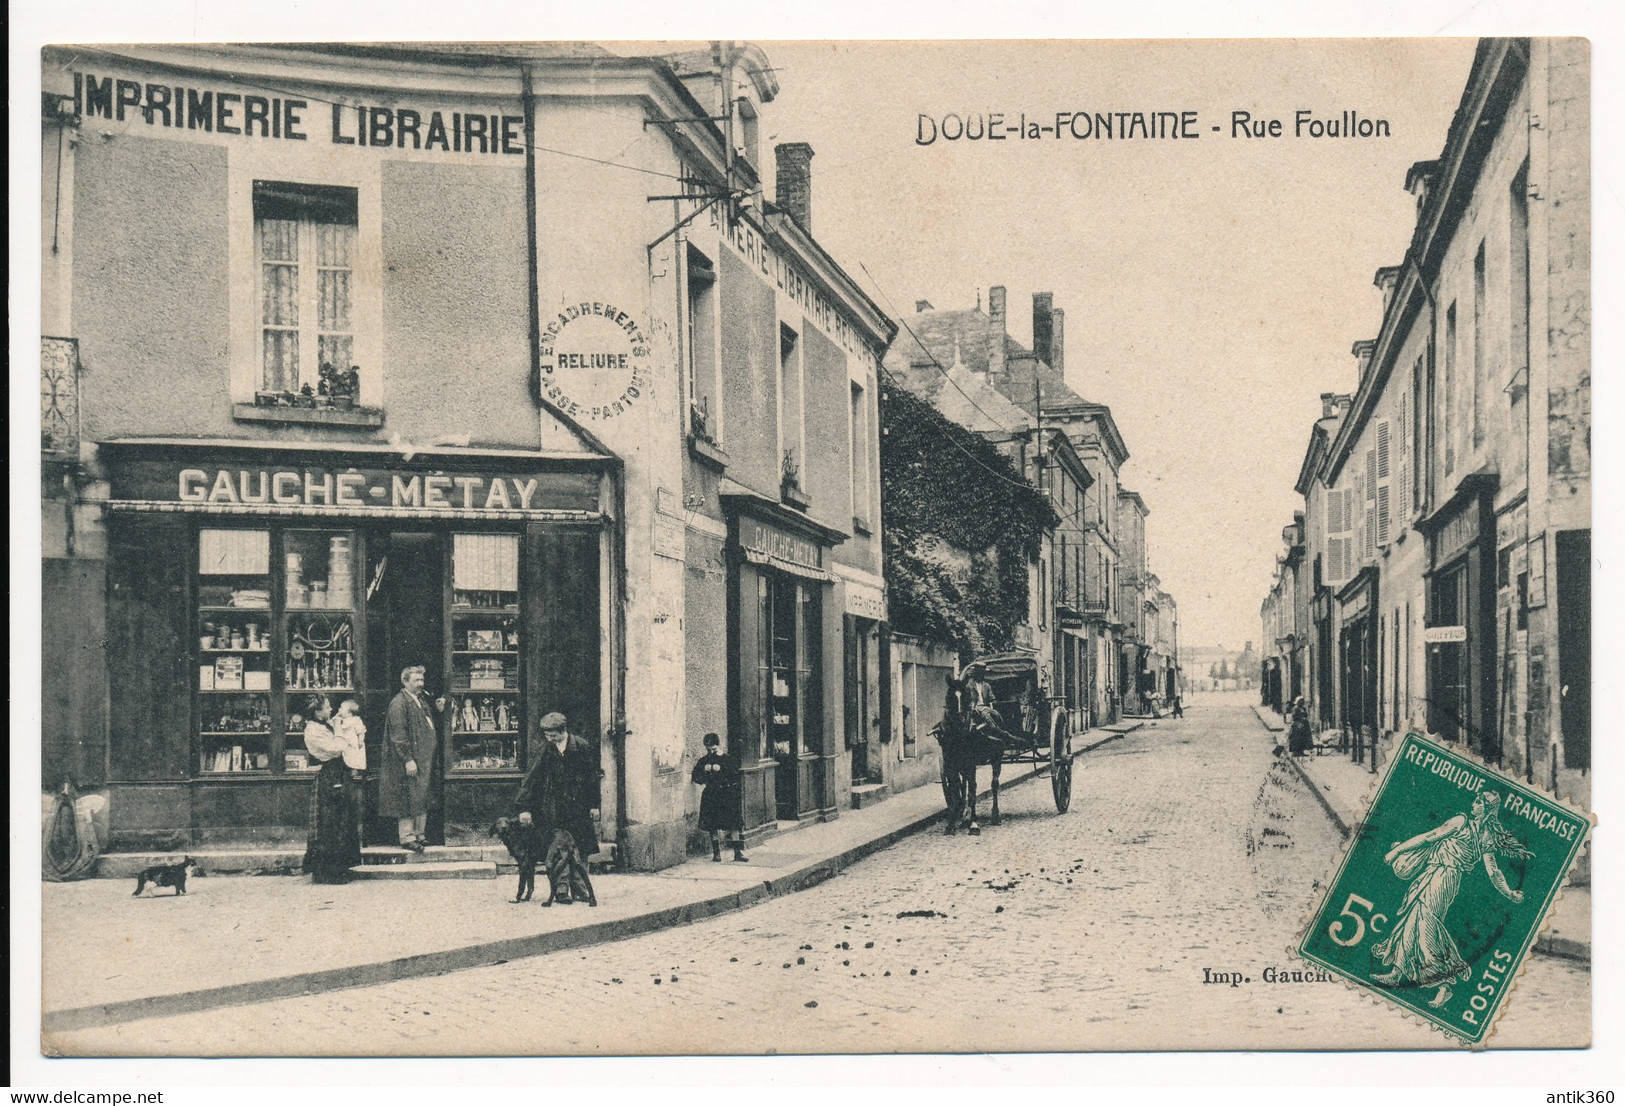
column 997, row 713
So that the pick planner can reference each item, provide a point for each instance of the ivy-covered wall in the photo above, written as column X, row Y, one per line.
column 960, row 527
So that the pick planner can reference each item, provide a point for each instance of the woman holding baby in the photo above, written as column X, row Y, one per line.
column 338, row 743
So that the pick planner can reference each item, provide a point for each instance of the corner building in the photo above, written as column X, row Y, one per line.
column 590, row 364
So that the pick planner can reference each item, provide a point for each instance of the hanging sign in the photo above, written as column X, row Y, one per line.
column 1434, row 635
column 594, row 362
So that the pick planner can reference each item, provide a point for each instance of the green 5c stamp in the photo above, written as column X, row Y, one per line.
column 1441, row 893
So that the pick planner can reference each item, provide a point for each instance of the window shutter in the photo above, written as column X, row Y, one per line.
column 1371, row 475
column 1384, row 483
column 1370, row 543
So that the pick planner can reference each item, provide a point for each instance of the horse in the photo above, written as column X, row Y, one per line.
column 971, row 734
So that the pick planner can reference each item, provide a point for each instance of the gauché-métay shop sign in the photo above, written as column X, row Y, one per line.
column 240, row 486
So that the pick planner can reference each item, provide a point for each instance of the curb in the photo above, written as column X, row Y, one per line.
column 1564, row 948
column 1272, row 727
column 1320, row 796
column 493, row 952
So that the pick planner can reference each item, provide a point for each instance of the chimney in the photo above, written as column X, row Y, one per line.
column 1419, row 181
column 1328, row 404
column 1057, row 341
column 996, row 331
column 1387, row 277
column 793, row 191
column 922, row 306
column 1043, row 308
column 1363, row 349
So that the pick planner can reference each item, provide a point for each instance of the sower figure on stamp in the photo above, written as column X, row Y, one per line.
column 1420, row 951
column 409, row 747
column 560, row 792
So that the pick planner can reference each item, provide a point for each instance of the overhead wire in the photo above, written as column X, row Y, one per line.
column 892, row 377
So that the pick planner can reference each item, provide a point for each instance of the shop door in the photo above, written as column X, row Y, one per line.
column 1574, row 645
column 857, row 698
column 406, row 626
column 1323, row 672
column 1449, row 693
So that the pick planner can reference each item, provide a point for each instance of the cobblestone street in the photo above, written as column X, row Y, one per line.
column 1187, row 850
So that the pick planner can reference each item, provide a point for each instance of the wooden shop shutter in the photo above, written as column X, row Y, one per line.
column 559, row 573
column 148, row 655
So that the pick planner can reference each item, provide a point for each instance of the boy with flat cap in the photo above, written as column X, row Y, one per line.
column 561, row 789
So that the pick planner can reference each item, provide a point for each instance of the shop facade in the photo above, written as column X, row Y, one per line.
column 246, row 583
column 397, row 384
column 1461, row 634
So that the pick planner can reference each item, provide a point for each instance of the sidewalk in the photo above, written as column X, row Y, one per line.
column 1344, row 789
column 255, row 938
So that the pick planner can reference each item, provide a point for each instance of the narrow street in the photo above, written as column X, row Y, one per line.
column 1187, row 850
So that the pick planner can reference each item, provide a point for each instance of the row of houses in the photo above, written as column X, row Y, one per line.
column 1106, row 631
column 1437, row 575
column 496, row 360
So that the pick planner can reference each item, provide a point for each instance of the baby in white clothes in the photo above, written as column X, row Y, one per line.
column 352, row 734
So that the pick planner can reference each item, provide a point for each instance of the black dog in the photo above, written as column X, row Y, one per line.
column 166, row 875
column 524, row 843
column 567, row 872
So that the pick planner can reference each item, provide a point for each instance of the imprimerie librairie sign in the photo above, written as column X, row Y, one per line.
column 294, row 120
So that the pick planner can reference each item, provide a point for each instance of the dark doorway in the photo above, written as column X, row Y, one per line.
column 1449, row 690
column 1574, row 645
column 406, row 626
column 858, row 698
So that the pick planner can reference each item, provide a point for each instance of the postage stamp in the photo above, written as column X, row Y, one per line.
column 1444, row 887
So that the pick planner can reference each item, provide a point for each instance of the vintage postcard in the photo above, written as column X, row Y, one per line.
column 769, row 547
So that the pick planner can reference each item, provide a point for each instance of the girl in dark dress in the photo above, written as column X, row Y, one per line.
column 335, row 844
column 720, row 809
column 1299, row 740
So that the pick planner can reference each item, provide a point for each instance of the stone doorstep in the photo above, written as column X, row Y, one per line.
column 868, row 794
column 288, row 861
column 465, row 869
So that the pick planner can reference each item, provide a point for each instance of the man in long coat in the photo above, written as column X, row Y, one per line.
column 409, row 746
column 561, row 789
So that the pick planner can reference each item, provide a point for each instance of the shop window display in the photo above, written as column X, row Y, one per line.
column 486, row 693
column 267, row 641
column 234, row 651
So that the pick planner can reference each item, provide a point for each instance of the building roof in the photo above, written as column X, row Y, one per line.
column 1500, row 66
column 931, row 338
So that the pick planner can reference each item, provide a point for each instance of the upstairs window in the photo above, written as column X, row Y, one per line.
column 704, row 390
column 304, row 243
column 859, row 429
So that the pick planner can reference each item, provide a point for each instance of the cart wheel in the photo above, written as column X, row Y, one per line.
column 1060, row 759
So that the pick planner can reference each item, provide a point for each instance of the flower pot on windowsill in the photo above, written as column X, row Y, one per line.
column 343, row 402
column 304, row 401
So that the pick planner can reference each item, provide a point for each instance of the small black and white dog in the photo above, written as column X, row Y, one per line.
column 567, row 876
column 166, row 875
column 524, row 843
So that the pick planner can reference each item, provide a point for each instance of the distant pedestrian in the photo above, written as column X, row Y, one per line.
column 1179, row 707
column 334, row 844
column 720, row 803
column 1298, row 736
